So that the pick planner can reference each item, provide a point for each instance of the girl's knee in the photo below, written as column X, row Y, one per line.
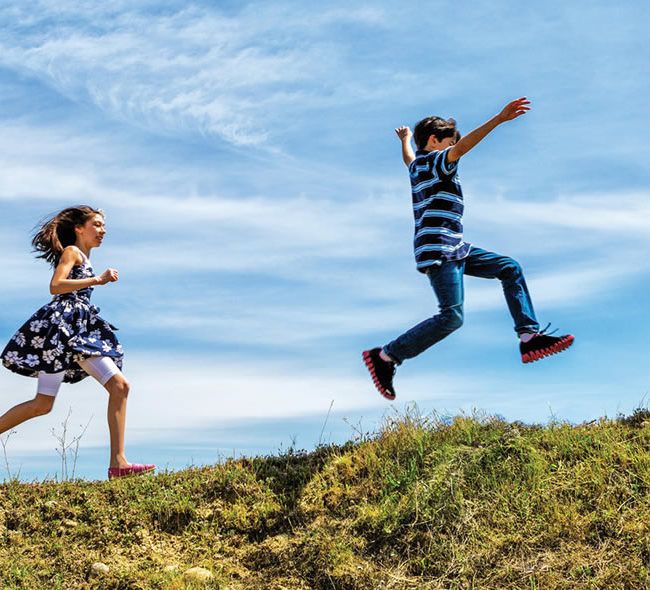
column 118, row 385
column 42, row 404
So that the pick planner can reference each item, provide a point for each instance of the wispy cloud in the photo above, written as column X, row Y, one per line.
column 628, row 213
column 189, row 67
column 181, row 391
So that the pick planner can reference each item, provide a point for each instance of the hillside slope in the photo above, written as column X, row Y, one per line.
column 475, row 502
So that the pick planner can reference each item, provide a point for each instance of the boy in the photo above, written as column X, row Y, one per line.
column 444, row 257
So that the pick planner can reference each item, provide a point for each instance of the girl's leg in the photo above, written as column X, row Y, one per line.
column 48, row 387
column 104, row 370
column 118, row 391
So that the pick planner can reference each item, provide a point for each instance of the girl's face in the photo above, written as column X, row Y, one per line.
column 91, row 233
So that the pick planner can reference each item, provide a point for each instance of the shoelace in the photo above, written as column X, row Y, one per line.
column 543, row 331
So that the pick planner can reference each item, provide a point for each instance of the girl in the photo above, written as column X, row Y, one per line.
column 66, row 340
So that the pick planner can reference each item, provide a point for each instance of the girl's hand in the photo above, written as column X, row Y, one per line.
column 404, row 133
column 108, row 276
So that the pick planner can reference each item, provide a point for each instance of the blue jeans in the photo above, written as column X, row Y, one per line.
column 447, row 282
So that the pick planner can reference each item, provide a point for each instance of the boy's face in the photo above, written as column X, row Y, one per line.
column 435, row 145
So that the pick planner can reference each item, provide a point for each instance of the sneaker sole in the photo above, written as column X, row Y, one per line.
column 536, row 355
column 371, row 369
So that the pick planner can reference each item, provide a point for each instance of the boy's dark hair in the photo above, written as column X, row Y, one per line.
column 438, row 127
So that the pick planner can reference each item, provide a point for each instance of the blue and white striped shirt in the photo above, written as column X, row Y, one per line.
column 437, row 209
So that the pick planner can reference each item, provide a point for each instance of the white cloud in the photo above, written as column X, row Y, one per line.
column 627, row 214
column 172, row 394
column 194, row 67
column 176, row 392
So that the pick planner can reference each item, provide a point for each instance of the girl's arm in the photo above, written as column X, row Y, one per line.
column 404, row 134
column 60, row 282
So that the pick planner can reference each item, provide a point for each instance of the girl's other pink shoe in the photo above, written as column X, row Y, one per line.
column 133, row 469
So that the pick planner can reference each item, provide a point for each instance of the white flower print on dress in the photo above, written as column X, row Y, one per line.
column 106, row 346
column 19, row 339
column 57, row 365
column 14, row 358
column 49, row 355
column 38, row 341
column 37, row 325
column 32, row 360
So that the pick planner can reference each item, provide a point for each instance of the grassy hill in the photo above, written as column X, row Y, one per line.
column 472, row 503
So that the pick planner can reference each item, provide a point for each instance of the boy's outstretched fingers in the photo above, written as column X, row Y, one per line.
column 515, row 109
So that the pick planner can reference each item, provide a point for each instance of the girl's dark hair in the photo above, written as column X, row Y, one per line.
column 438, row 127
column 58, row 232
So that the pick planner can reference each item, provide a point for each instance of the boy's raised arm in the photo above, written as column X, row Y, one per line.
column 405, row 134
column 511, row 111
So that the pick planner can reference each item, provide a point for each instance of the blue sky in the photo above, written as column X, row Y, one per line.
column 259, row 215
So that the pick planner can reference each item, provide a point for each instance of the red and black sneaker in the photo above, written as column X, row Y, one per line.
column 542, row 345
column 381, row 371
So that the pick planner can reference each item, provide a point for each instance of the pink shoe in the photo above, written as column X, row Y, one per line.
column 133, row 469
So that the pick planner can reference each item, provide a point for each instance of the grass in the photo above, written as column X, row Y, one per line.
column 474, row 502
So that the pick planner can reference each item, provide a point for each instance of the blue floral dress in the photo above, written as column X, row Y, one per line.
column 62, row 332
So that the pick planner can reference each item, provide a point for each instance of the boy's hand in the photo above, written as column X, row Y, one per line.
column 511, row 111
column 514, row 109
column 404, row 133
